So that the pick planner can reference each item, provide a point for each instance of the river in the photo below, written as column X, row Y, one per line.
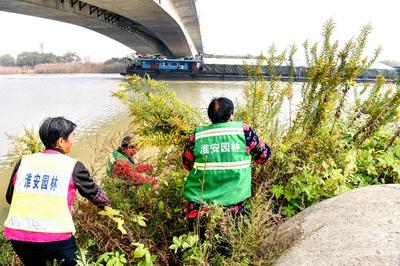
column 84, row 99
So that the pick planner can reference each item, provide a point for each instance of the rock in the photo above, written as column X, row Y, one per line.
column 359, row 227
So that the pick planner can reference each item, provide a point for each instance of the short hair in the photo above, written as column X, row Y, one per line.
column 126, row 141
column 220, row 110
column 54, row 128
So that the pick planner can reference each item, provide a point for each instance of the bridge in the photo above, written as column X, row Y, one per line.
column 168, row 27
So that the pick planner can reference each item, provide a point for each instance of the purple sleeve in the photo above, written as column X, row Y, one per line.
column 101, row 199
column 259, row 151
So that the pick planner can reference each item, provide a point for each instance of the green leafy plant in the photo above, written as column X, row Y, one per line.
column 329, row 145
column 112, row 259
column 6, row 251
column 116, row 216
column 143, row 255
column 167, row 121
column 28, row 143
column 139, row 219
column 184, row 241
column 194, row 252
column 82, row 258
column 332, row 144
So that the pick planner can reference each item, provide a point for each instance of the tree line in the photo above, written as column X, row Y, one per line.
column 32, row 59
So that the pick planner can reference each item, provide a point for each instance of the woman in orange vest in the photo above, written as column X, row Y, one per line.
column 41, row 193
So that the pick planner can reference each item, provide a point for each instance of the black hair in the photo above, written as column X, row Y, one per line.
column 220, row 110
column 126, row 142
column 54, row 128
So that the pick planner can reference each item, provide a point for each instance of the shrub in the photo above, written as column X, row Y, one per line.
column 329, row 145
column 6, row 252
column 332, row 144
column 7, row 60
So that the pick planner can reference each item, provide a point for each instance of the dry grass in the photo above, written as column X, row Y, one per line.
column 68, row 68
column 259, row 237
column 60, row 68
column 282, row 236
column 101, row 229
column 16, row 70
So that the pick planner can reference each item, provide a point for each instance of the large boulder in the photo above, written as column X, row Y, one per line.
column 359, row 227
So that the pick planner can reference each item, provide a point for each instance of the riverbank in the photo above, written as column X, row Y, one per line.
column 66, row 68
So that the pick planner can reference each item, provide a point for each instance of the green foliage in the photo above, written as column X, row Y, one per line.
column 7, row 60
column 6, row 251
column 143, row 255
column 34, row 58
column 116, row 216
column 69, row 57
column 332, row 144
column 82, row 258
column 197, row 254
column 139, row 219
column 159, row 117
column 151, row 216
column 331, row 73
column 112, row 259
column 27, row 143
column 264, row 100
column 246, row 234
column 184, row 241
column 55, row 262
column 107, row 258
column 194, row 251
column 329, row 145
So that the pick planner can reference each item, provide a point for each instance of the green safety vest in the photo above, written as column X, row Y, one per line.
column 221, row 172
column 116, row 155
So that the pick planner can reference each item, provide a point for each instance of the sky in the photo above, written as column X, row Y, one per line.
column 231, row 27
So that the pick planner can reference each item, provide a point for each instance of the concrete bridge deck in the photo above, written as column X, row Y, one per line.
column 168, row 27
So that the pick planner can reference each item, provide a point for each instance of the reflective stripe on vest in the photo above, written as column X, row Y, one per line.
column 40, row 198
column 219, row 132
column 221, row 173
column 111, row 161
column 221, row 166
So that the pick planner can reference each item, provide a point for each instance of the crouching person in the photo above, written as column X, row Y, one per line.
column 41, row 193
column 121, row 165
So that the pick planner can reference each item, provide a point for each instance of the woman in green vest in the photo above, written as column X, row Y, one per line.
column 218, row 159
column 121, row 164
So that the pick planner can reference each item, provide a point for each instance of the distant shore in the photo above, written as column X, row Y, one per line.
column 60, row 68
